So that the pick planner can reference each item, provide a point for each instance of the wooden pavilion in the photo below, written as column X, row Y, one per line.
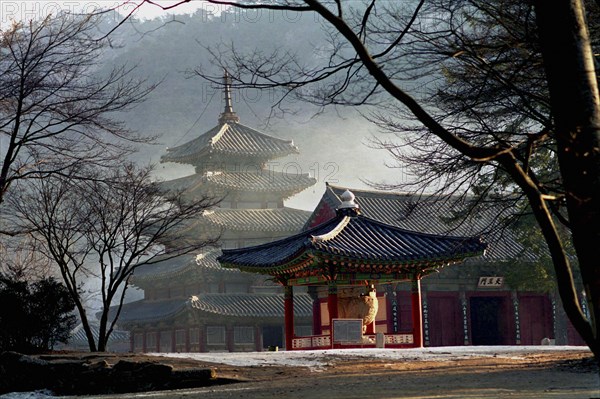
column 347, row 251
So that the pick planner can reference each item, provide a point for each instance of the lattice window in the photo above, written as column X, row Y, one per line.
column 194, row 336
column 138, row 342
column 215, row 335
column 303, row 331
column 180, row 345
column 243, row 335
column 166, row 341
column 151, row 342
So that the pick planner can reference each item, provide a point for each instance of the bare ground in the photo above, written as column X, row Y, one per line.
column 564, row 374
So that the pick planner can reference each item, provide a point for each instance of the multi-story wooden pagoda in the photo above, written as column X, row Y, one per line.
column 191, row 303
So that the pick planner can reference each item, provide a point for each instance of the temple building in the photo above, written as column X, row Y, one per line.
column 472, row 303
column 287, row 274
column 190, row 302
column 346, row 252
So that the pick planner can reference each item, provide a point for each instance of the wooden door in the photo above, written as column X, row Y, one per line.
column 535, row 316
column 445, row 319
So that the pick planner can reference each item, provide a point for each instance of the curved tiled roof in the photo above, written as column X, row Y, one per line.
column 232, row 305
column 78, row 336
column 275, row 219
column 260, row 180
column 186, row 183
column 250, row 305
column 358, row 240
column 172, row 266
column 148, row 311
column 179, row 265
column 230, row 139
column 430, row 214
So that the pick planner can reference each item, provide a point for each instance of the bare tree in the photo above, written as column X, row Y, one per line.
column 20, row 260
column 56, row 104
column 105, row 227
column 368, row 65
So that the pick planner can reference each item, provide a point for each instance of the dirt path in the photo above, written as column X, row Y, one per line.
column 547, row 375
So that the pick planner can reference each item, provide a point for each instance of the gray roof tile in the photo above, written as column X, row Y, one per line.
column 230, row 139
column 254, row 305
column 229, row 305
column 358, row 239
column 148, row 311
column 275, row 219
column 207, row 260
column 430, row 214
column 262, row 180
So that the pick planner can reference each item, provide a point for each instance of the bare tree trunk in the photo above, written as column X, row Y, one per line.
column 572, row 81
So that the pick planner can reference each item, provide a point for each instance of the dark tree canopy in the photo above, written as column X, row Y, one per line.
column 34, row 316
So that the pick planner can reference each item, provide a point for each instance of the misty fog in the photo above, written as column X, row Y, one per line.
column 333, row 144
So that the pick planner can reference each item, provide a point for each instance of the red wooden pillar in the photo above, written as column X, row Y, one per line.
column 202, row 338
column 332, row 305
column 332, row 302
column 229, row 339
column 316, row 310
column 187, row 339
column 417, row 316
column 258, row 344
column 288, row 313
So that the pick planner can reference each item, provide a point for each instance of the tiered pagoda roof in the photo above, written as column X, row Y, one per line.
column 230, row 139
column 179, row 266
column 259, row 181
column 265, row 220
column 262, row 180
column 230, row 161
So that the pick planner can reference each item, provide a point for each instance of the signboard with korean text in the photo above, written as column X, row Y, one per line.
column 347, row 330
column 490, row 282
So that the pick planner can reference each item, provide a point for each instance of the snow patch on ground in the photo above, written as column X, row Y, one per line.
column 28, row 395
column 318, row 359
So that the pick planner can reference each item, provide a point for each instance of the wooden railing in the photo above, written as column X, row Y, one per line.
column 312, row 342
column 369, row 341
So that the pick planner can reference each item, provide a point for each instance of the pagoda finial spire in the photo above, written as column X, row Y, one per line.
column 228, row 115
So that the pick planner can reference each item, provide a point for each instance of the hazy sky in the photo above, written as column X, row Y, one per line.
column 27, row 10
column 352, row 160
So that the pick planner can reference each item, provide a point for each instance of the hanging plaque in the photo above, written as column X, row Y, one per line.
column 490, row 282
